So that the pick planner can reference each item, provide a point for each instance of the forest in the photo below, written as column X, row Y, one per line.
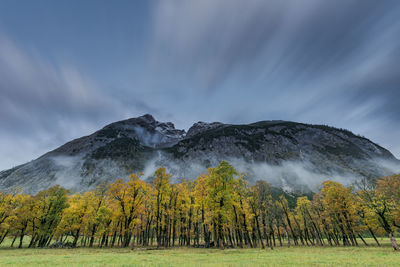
column 218, row 209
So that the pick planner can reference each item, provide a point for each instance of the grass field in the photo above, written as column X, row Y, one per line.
column 280, row 256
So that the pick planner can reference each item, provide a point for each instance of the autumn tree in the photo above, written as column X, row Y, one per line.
column 97, row 210
column 161, row 188
column 383, row 199
column 8, row 205
column 23, row 216
column 258, row 200
column 340, row 207
column 129, row 196
column 200, row 194
column 220, row 187
column 48, row 210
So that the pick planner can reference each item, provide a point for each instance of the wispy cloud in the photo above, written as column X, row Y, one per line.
column 312, row 61
column 42, row 105
column 331, row 62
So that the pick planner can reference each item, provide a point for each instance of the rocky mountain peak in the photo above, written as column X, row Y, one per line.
column 147, row 121
column 148, row 131
column 148, row 117
column 202, row 126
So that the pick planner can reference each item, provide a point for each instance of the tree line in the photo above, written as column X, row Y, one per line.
column 218, row 209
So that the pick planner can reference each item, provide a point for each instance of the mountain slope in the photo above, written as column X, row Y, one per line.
column 293, row 156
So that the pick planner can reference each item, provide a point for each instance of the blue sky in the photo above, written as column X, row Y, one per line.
column 68, row 68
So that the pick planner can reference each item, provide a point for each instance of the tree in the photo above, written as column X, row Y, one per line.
column 200, row 198
column 161, row 190
column 8, row 205
column 388, row 189
column 48, row 210
column 340, row 207
column 96, row 211
column 23, row 216
column 129, row 196
column 257, row 201
column 73, row 217
column 382, row 199
column 220, row 187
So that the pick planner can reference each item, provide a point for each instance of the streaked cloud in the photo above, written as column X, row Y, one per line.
column 329, row 62
column 43, row 105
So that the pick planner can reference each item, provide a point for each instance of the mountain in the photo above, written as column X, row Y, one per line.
column 293, row 156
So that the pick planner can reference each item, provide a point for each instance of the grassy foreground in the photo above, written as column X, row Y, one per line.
column 280, row 256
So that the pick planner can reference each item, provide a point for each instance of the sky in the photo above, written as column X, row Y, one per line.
column 68, row 68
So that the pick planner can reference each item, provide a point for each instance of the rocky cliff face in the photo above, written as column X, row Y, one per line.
column 290, row 155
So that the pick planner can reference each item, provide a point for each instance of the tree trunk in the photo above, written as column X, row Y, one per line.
column 76, row 236
column 259, row 232
column 373, row 235
column 12, row 243
column 21, row 238
column 393, row 241
column 362, row 239
column 92, row 236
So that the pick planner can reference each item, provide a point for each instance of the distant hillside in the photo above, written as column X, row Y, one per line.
column 293, row 156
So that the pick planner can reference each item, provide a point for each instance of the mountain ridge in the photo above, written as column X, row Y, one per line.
column 288, row 154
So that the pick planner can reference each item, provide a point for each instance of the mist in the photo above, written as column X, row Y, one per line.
column 288, row 175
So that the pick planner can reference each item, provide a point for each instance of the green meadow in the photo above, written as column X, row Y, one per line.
column 279, row 256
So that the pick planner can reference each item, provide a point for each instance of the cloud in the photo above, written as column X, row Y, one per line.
column 30, row 86
column 43, row 105
column 325, row 62
column 321, row 62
